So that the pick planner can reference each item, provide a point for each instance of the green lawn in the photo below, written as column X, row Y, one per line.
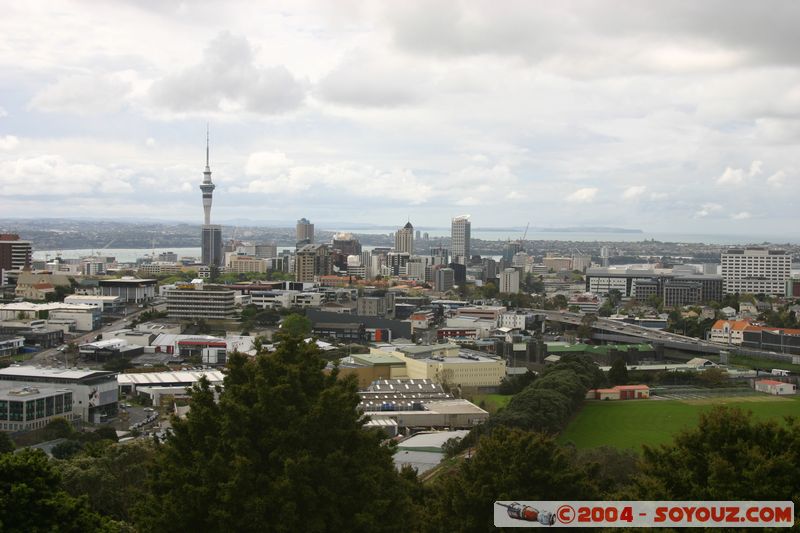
column 492, row 402
column 629, row 424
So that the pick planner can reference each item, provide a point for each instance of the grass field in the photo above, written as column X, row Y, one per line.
column 629, row 424
column 492, row 402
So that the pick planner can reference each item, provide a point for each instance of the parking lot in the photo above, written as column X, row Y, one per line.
column 135, row 417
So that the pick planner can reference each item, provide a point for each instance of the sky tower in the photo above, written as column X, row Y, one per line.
column 207, row 187
column 212, row 233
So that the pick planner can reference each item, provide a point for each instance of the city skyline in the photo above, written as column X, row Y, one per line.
column 320, row 110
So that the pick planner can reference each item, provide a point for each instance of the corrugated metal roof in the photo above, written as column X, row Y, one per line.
column 156, row 378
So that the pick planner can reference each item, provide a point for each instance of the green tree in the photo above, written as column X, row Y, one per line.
column 584, row 331
column 295, row 325
column 489, row 290
column 560, row 301
column 614, row 297
column 508, row 462
column 58, row 428
column 284, row 449
column 618, row 373
column 6, row 444
column 66, row 449
column 114, row 480
column 32, row 498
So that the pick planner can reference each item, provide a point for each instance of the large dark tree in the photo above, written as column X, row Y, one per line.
column 284, row 449
column 509, row 464
column 618, row 373
column 32, row 498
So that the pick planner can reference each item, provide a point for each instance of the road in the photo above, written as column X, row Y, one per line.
column 618, row 328
column 53, row 357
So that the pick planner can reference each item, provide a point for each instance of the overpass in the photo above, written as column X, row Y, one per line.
column 616, row 331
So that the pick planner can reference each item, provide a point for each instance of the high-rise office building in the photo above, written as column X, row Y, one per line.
column 509, row 281
column 460, row 237
column 312, row 260
column 404, row 239
column 15, row 254
column 212, row 233
column 444, row 279
column 346, row 243
column 755, row 271
column 305, row 232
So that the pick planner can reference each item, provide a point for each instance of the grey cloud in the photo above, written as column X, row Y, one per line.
column 363, row 81
column 590, row 31
column 228, row 79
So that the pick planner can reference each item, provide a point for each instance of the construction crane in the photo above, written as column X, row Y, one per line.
column 527, row 513
column 528, row 225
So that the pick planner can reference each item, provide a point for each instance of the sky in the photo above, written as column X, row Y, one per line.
column 663, row 116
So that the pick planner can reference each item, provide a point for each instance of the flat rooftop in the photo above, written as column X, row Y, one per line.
column 28, row 393
column 22, row 372
column 187, row 377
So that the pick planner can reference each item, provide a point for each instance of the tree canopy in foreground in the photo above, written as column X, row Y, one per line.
column 282, row 450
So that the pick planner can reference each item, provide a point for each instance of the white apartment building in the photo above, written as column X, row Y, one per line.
column 509, row 281
column 755, row 271
column 460, row 232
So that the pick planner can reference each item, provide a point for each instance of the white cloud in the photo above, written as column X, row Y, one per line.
column 731, row 176
column 150, row 142
column 755, row 168
column 3, row 112
column 582, row 196
column 742, row 215
column 343, row 179
column 8, row 142
column 708, row 209
column 264, row 163
column 634, row 192
column 229, row 79
column 53, row 175
column 777, row 180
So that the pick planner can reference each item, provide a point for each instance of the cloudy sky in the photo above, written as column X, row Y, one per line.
column 664, row 116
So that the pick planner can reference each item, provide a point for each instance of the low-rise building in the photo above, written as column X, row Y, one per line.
column 106, row 304
column 86, row 317
column 10, row 344
column 771, row 386
column 467, row 369
column 729, row 331
column 620, row 392
column 131, row 289
column 198, row 301
column 95, row 392
column 27, row 408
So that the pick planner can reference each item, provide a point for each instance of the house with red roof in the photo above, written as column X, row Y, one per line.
column 620, row 392
column 778, row 388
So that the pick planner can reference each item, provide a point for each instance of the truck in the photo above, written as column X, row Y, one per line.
column 779, row 372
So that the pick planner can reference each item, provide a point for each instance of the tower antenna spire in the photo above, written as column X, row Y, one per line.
column 206, row 144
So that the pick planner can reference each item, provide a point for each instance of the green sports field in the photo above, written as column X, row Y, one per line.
column 631, row 423
column 492, row 402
